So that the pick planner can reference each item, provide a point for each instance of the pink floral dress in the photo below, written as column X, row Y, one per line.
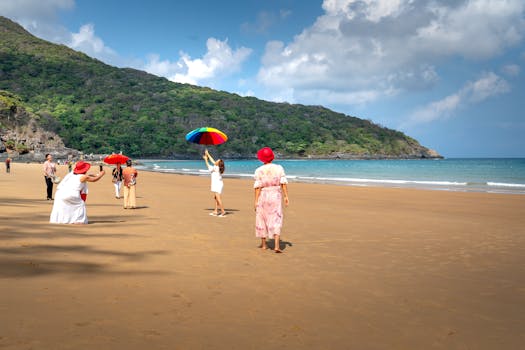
column 269, row 212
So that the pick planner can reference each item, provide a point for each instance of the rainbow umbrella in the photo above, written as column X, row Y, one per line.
column 206, row 136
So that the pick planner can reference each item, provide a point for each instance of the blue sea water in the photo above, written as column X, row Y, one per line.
column 480, row 175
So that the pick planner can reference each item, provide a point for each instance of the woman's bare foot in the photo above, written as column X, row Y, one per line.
column 263, row 245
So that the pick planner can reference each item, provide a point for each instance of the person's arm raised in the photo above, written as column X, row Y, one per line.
column 92, row 178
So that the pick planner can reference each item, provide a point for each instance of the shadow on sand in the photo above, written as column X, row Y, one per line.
column 33, row 247
column 282, row 244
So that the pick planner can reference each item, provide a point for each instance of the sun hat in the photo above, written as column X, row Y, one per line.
column 265, row 155
column 81, row 167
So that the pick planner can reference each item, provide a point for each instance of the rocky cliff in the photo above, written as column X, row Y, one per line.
column 22, row 137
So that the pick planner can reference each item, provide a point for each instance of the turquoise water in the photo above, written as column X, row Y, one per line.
column 481, row 175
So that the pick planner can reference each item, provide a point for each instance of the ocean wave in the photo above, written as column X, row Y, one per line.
column 477, row 185
column 503, row 184
column 385, row 181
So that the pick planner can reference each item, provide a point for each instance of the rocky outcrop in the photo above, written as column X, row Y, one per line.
column 22, row 137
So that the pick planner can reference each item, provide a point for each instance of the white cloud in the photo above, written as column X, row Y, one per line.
column 487, row 86
column 387, row 46
column 511, row 70
column 265, row 21
column 218, row 61
column 372, row 10
column 86, row 41
column 40, row 17
column 30, row 10
column 492, row 27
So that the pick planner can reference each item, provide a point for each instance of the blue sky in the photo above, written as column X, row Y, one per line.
column 447, row 72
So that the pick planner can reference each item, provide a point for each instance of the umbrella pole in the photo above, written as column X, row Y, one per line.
column 203, row 149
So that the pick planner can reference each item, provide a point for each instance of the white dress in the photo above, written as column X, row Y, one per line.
column 68, row 207
column 216, row 179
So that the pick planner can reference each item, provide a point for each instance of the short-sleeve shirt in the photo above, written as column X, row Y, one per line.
column 49, row 168
column 128, row 173
column 268, row 175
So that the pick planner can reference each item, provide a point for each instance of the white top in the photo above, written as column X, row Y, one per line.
column 68, row 207
column 216, row 179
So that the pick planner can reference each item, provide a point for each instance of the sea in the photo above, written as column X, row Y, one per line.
column 494, row 175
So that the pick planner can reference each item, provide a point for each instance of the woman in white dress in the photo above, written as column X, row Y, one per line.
column 217, row 169
column 69, row 206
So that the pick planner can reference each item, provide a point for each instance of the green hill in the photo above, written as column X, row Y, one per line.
column 98, row 108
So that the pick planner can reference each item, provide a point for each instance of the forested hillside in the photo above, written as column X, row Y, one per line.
column 98, row 108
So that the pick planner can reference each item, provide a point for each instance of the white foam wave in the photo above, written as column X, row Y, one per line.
column 386, row 181
column 503, row 184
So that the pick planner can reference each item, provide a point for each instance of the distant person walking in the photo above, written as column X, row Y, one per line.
column 49, row 174
column 69, row 206
column 117, row 179
column 270, row 185
column 129, row 175
column 8, row 165
column 217, row 169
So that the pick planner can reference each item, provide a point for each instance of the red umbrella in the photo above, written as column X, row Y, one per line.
column 116, row 158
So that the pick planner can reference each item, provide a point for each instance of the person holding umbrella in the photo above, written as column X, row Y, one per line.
column 117, row 179
column 117, row 160
column 211, row 136
column 217, row 169
column 270, row 186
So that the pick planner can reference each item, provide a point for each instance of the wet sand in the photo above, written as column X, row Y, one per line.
column 363, row 268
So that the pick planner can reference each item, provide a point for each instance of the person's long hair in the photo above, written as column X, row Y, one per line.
column 221, row 166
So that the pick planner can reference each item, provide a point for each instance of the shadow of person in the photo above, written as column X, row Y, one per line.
column 282, row 244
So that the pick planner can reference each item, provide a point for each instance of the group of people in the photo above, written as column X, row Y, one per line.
column 126, row 178
column 69, row 203
column 270, row 192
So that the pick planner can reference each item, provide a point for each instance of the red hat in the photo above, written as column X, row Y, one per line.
column 265, row 155
column 81, row 167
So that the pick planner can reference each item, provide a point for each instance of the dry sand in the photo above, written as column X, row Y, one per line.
column 363, row 268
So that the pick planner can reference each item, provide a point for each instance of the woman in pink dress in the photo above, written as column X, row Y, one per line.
column 270, row 185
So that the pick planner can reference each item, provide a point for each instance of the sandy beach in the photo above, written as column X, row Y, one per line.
column 363, row 268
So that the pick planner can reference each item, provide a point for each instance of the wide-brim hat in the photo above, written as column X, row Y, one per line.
column 81, row 167
column 265, row 155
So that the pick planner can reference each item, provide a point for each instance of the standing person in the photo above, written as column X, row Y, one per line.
column 117, row 179
column 216, row 169
column 129, row 175
column 8, row 165
column 49, row 173
column 270, row 185
column 69, row 206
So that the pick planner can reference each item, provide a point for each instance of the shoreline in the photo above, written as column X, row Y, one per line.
column 436, row 185
column 452, row 186
column 395, row 184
